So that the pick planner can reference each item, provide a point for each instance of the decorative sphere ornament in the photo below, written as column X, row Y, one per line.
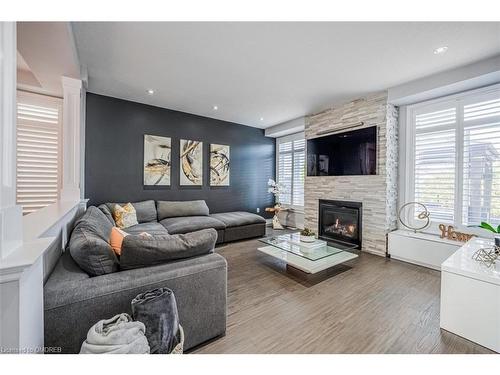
column 423, row 214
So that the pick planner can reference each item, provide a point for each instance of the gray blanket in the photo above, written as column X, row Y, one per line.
column 157, row 309
column 118, row 335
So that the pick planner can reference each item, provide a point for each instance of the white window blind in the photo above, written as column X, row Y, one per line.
column 435, row 156
column 481, row 154
column 38, row 151
column 291, row 168
column 457, row 157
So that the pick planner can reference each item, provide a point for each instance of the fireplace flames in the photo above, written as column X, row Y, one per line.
column 347, row 230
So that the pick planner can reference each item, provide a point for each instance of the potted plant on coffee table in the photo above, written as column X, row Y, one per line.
column 307, row 235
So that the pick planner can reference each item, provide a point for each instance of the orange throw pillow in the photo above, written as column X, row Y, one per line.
column 116, row 239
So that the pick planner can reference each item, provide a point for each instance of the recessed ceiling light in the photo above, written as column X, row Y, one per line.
column 215, row 108
column 440, row 50
column 262, row 119
column 151, row 91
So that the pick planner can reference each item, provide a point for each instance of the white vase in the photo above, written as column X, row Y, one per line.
column 308, row 238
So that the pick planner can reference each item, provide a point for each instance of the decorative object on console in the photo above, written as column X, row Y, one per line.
column 486, row 255
column 219, row 165
column 277, row 189
column 496, row 233
column 404, row 218
column 191, row 158
column 125, row 216
column 307, row 235
column 450, row 233
column 157, row 160
column 276, row 221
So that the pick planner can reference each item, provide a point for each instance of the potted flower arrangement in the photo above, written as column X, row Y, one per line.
column 277, row 189
column 307, row 235
column 496, row 233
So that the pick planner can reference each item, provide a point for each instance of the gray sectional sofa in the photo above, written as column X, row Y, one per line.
column 74, row 299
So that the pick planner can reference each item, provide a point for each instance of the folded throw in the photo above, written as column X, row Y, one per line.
column 157, row 309
column 118, row 335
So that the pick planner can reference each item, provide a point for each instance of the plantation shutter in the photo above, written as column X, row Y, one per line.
column 285, row 170
column 291, row 167
column 299, row 167
column 38, row 151
column 481, row 161
column 435, row 161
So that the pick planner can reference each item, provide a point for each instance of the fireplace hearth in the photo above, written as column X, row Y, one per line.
column 340, row 221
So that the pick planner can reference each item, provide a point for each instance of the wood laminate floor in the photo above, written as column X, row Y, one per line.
column 375, row 305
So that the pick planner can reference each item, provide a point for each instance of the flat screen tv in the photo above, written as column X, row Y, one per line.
column 343, row 154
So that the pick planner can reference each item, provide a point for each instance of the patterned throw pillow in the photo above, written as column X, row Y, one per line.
column 125, row 216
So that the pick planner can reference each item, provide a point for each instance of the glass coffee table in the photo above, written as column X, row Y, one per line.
column 307, row 257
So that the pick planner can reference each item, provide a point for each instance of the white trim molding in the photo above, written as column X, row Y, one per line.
column 10, row 213
column 73, row 117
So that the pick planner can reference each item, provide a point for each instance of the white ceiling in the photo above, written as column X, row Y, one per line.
column 277, row 71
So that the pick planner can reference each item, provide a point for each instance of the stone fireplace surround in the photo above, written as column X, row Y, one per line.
column 377, row 193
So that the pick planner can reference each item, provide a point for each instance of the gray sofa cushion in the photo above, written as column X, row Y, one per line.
column 145, row 210
column 238, row 218
column 151, row 228
column 168, row 209
column 138, row 251
column 177, row 225
column 244, row 231
column 89, row 245
column 107, row 212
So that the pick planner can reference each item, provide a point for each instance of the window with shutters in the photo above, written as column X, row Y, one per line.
column 455, row 168
column 38, row 146
column 291, row 164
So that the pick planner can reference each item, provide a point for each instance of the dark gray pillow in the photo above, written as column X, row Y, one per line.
column 89, row 245
column 181, row 208
column 107, row 212
column 145, row 210
column 140, row 251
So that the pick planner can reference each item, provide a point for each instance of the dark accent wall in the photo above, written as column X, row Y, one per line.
column 114, row 148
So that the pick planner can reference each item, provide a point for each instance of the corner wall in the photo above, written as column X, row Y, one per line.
column 378, row 193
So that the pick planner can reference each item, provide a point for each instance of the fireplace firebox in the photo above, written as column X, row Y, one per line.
column 340, row 221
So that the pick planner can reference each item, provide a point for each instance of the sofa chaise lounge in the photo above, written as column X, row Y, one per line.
column 74, row 300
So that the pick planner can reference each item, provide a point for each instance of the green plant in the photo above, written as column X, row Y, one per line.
column 487, row 226
column 307, row 232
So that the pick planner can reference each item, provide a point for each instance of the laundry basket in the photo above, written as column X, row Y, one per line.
column 179, row 348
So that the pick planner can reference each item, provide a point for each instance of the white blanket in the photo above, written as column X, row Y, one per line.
column 118, row 335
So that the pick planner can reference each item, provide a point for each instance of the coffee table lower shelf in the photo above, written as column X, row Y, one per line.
column 306, row 265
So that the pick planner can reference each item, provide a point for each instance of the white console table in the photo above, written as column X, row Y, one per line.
column 424, row 249
column 470, row 296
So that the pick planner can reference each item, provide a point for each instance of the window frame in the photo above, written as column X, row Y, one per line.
column 459, row 101
column 284, row 139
